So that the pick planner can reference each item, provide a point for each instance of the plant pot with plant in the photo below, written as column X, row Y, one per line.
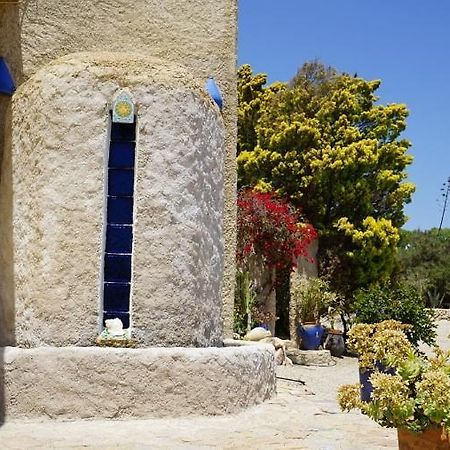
column 311, row 297
column 378, row 346
column 334, row 341
column 414, row 398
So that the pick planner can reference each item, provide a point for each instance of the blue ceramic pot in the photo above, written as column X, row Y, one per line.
column 366, row 385
column 311, row 335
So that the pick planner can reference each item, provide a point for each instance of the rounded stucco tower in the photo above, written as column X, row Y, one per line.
column 117, row 200
column 117, row 220
column 161, row 53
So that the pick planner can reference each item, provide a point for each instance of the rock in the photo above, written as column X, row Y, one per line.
column 291, row 344
column 257, row 334
column 310, row 357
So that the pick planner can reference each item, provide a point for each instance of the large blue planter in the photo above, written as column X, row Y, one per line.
column 366, row 385
column 311, row 335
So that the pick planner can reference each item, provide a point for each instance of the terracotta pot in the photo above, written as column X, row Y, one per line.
column 428, row 440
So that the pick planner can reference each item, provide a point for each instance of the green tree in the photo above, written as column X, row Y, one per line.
column 324, row 142
column 424, row 261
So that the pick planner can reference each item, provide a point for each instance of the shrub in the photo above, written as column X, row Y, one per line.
column 268, row 226
column 402, row 303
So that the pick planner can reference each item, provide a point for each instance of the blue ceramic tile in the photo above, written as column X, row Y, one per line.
column 121, row 154
column 120, row 182
column 120, row 210
column 124, row 317
column 117, row 267
column 123, row 132
column 116, row 297
column 119, row 238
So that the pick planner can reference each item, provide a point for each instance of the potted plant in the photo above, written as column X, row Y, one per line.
column 414, row 397
column 334, row 341
column 377, row 345
column 311, row 297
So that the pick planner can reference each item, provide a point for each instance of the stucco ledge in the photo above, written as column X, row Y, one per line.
column 95, row 382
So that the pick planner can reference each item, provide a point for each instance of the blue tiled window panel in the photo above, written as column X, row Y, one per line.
column 119, row 227
column 120, row 182
column 116, row 297
column 121, row 155
column 119, row 238
column 123, row 316
column 119, row 210
column 117, row 267
column 123, row 132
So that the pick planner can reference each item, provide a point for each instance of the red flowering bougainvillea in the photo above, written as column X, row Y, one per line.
column 268, row 226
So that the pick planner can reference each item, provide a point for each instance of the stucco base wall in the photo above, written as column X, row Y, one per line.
column 94, row 382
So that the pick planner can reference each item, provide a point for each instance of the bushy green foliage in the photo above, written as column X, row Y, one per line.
column 424, row 260
column 325, row 143
column 402, row 303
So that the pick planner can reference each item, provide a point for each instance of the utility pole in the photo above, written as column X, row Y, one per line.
column 445, row 189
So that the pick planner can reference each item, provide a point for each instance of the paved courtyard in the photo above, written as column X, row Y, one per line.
column 298, row 417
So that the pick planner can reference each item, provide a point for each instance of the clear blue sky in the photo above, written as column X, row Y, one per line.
column 405, row 43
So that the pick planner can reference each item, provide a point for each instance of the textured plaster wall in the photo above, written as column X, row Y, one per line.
column 59, row 141
column 78, row 382
column 198, row 34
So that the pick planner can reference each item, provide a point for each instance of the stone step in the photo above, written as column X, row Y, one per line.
column 310, row 357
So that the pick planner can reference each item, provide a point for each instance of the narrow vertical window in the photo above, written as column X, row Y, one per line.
column 119, row 213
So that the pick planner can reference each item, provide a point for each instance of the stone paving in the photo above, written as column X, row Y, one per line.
column 299, row 417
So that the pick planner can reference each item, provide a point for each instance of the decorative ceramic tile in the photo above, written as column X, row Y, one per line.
column 119, row 210
column 123, row 132
column 119, row 238
column 121, row 154
column 116, row 297
column 120, row 182
column 117, row 267
column 123, row 108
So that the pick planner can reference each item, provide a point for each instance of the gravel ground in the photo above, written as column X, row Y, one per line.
column 298, row 417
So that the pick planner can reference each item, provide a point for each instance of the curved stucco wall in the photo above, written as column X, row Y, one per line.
column 59, row 139
column 196, row 34
column 71, row 383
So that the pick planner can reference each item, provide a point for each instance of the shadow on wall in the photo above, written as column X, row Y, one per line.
column 11, row 15
column 7, row 294
column 7, row 290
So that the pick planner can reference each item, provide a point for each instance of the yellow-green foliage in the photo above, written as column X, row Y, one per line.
column 373, row 246
column 416, row 397
column 324, row 142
